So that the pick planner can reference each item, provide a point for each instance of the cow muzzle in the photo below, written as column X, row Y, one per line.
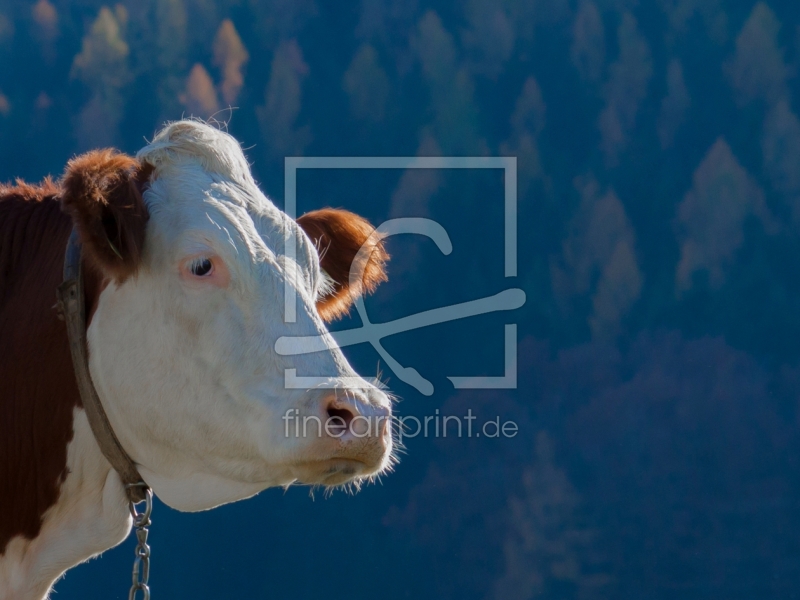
column 348, row 436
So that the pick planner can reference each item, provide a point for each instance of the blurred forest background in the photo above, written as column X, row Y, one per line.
column 658, row 148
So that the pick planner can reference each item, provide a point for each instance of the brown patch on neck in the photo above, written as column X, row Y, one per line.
column 38, row 392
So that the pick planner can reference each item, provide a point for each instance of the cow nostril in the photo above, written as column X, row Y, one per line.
column 339, row 420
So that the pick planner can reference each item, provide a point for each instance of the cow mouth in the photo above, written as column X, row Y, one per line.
column 332, row 471
column 342, row 463
column 342, row 470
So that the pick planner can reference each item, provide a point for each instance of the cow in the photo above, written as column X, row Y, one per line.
column 185, row 271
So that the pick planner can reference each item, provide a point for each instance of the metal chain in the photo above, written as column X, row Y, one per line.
column 141, row 564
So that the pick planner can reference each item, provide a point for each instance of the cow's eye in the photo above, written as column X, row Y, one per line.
column 201, row 267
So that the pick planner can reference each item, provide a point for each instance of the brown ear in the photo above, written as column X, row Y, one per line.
column 339, row 235
column 101, row 191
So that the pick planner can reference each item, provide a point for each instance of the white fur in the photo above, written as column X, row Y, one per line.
column 187, row 371
column 91, row 516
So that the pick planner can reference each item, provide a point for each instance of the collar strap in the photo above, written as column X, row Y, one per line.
column 72, row 305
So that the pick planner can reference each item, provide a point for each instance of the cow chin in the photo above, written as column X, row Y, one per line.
column 331, row 472
column 354, row 463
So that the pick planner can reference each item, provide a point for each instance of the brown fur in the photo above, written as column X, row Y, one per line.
column 38, row 393
column 102, row 191
column 338, row 235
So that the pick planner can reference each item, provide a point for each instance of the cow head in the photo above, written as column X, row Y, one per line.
column 192, row 260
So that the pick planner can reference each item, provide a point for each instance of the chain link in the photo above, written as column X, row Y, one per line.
column 141, row 564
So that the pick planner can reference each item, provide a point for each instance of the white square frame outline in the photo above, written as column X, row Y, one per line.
column 509, row 165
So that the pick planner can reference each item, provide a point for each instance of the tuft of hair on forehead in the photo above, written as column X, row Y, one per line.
column 338, row 236
column 193, row 140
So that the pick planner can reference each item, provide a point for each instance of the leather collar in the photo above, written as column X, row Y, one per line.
column 72, row 305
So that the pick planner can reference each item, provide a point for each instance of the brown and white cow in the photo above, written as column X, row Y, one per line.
column 185, row 271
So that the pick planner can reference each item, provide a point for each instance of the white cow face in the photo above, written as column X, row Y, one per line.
column 192, row 268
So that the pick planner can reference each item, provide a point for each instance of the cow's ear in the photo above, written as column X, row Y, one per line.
column 102, row 192
column 339, row 235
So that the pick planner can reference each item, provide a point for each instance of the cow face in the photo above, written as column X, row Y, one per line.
column 182, row 336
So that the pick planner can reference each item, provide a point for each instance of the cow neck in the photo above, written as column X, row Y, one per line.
column 73, row 307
